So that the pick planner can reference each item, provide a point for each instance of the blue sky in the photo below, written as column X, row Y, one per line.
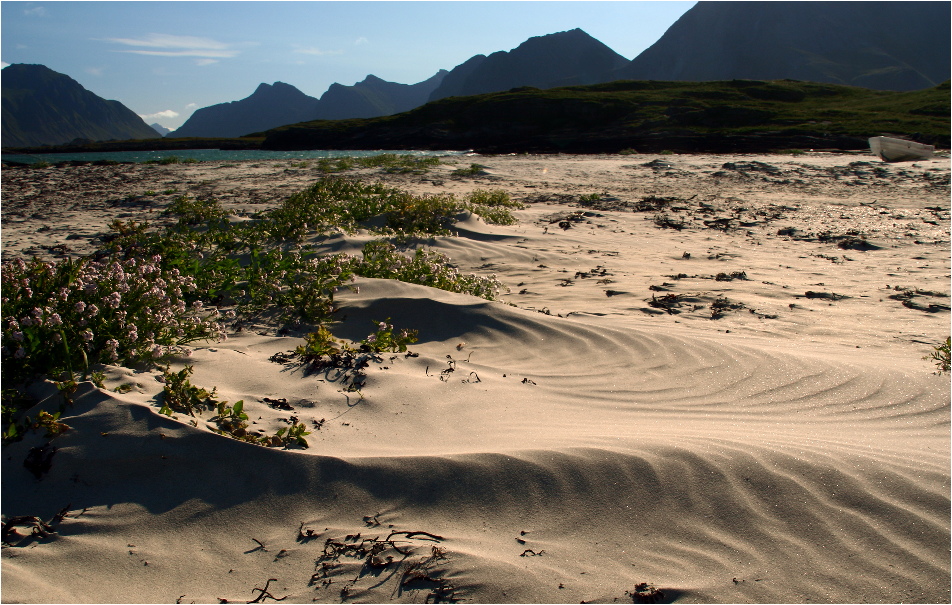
column 163, row 60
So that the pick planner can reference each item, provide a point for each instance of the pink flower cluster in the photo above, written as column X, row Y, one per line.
column 114, row 310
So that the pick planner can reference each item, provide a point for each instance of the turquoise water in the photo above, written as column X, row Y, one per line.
column 207, row 155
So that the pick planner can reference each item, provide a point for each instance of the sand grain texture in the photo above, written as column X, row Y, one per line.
column 794, row 448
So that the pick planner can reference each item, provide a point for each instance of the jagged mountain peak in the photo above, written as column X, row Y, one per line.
column 559, row 59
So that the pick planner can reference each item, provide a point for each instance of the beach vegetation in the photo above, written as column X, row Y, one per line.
column 192, row 212
column 942, row 356
column 50, row 423
column 180, row 395
column 645, row 593
column 148, row 293
column 386, row 339
column 331, row 165
column 76, row 313
column 398, row 164
column 389, row 163
column 291, row 435
column 472, row 170
column 232, row 419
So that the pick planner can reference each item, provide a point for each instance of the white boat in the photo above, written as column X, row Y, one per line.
column 899, row 150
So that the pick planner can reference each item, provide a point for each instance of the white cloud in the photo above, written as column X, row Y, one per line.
column 165, row 114
column 205, row 61
column 313, row 50
column 191, row 105
column 361, row 40
column 168, row 45
column 36, row 11
column 94, row 71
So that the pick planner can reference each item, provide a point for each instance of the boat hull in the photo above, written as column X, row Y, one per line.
column 899, row 150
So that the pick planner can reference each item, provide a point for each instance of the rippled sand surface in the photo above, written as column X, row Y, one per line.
column 565, row 444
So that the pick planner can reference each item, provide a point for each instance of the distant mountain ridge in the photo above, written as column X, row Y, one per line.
column 43, row 107
column 269, row 106
column 273, row 105
column 899, row 46
column 562, row 59
column 878, row 45
column 374, row 97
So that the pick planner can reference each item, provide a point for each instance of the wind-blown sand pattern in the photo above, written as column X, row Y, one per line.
column 582, row 439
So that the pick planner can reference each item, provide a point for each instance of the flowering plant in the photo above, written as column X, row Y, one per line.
column 385, row 339
column 71, row 314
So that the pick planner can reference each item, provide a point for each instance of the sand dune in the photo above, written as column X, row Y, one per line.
column 566, row 446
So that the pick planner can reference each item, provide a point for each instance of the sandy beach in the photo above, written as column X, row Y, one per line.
column 703, row 382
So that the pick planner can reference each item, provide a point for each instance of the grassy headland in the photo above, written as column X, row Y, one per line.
column 647, row 116
column 740, row 115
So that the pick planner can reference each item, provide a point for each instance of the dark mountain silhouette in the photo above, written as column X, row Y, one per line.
column 275, row 105
column 162, row 130
column 43, row 107
column 877, row 45
column 374, row 97
column 561, row 59
column 270, row 106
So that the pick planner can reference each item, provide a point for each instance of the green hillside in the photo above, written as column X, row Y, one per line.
column 738, row 115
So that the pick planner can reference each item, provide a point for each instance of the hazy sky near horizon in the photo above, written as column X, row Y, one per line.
column 165, row 59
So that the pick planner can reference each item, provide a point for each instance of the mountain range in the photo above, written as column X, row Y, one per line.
column 896, row 46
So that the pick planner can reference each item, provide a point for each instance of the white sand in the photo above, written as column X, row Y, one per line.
column 796, row 449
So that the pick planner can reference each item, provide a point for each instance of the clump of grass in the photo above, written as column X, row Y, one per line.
column 328, row 165
column 337, row 203
column 399, row 164
column 495, row 206
column 192, row 212
column 472, row 170
column 425, row 267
